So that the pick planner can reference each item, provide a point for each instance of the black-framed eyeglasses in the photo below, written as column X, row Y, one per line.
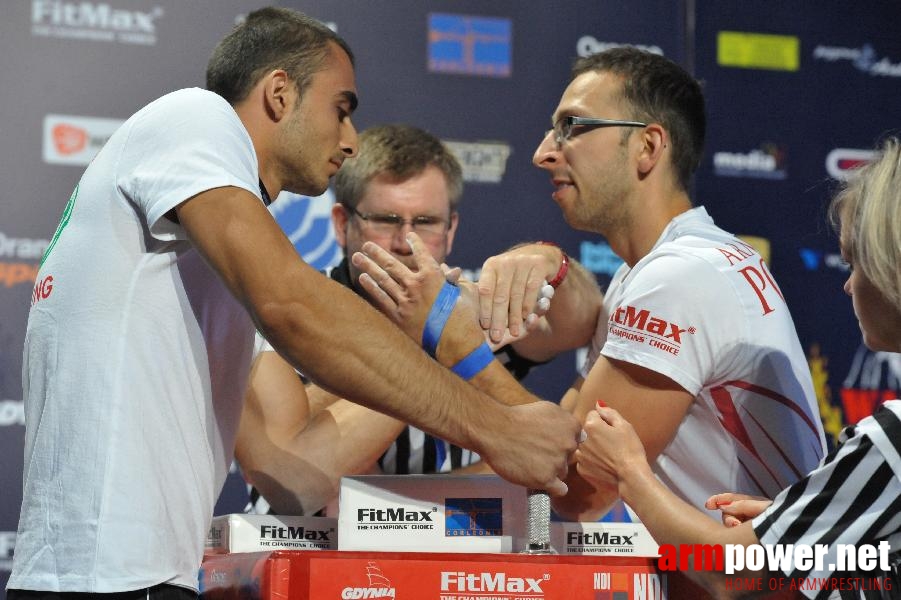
column 386, row 224
column 563, row 128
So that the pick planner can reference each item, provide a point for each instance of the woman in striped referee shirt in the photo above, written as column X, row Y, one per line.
column 854, row 497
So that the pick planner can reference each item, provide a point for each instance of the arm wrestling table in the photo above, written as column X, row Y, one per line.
column 331, row 575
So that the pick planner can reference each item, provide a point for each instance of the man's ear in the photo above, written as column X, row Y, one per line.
column 340, row 219
column 654, row 143
column 279, row 94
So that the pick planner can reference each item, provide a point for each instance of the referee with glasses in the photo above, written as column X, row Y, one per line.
column 402, row 179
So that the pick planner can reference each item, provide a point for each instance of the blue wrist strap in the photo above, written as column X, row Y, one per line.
column 438, row 316
column 473, row 363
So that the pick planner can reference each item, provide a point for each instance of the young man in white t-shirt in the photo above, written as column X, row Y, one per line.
column 697, row 348
column 141, row 328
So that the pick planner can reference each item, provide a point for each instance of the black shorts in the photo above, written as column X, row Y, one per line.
column 158, row 592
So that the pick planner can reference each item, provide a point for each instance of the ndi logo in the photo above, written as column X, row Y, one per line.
column 308, row 224
column 469, row 45
column 473, row 517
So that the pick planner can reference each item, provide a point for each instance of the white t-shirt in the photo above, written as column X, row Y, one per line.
column 702, row 309
column 135, row 362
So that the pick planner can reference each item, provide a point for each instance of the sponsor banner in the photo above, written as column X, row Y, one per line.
column 16, row 273
column 427, row 576
column 603, row 539
column 484, row 580
column 813, row 259
column 469, row 45
column 255, row 533
column 768, row 162
column 30, row 249
column 588, row 45
column 19, row 258
column 483, row 162
column 431, row 513
column 94, row 21
column 75, row 140
column 842, row 162
column 758, row 51
column 865, row 59
column 873, row 378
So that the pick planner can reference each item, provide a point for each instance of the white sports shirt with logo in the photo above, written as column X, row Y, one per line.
column 135, row 363
column 702, row 309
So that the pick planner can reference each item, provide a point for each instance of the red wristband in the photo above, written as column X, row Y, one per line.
column 564, row 266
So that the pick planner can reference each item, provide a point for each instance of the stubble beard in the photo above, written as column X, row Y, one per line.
column 296, row 173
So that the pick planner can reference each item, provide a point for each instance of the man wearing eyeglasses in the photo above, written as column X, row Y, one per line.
column 698, row 349
column 295, row 441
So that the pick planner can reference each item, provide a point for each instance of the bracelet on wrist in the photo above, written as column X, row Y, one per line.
column 564, row 265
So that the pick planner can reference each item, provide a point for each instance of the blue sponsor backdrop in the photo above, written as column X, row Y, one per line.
column 797, row 92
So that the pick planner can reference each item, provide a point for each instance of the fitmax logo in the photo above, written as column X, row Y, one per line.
column 460, row 581
column 629, row 316
column 293, row 533
column 97, row 16
column 393, row 515
column 96, row 22
column 598, row 538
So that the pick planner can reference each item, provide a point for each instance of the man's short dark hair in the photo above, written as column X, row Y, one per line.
column 270, row 38
column 658, row 91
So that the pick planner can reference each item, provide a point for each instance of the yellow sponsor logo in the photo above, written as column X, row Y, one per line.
column 761, row 244
column 758, row 51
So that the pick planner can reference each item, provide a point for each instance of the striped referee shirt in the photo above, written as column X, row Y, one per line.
column 853, row 497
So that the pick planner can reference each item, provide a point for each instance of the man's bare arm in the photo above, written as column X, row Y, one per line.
column 295, row 454
column 295, row 307
column 613, row 455
column 654, row 403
